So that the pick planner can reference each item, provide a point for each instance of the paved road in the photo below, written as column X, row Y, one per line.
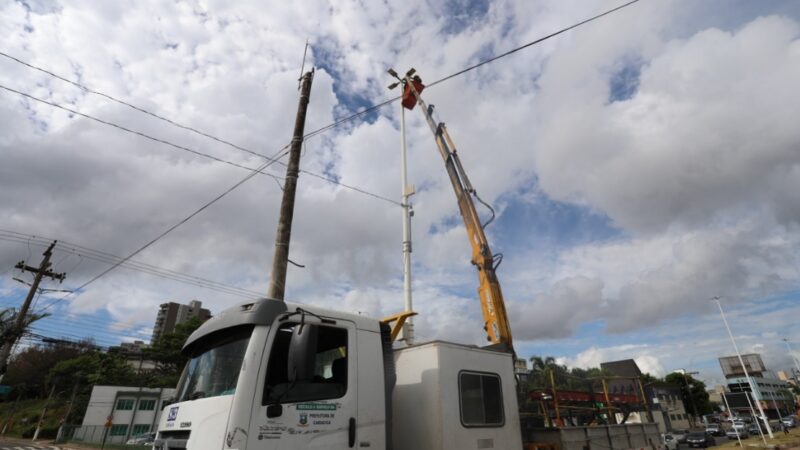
column 6, row 445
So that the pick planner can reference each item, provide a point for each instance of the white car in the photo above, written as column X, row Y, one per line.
column 670, row 441
column 789, row 421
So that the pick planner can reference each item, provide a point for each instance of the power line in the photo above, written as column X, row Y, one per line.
column 13, row 236
column 96, row 255
column 138, row 133
column 132, row 106
column 463, row 71
column 172, row 122
column 170, row 229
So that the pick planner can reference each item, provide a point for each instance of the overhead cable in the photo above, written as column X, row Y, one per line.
column 100, row 256
column 185, row 127
column 169, row 230
column 132, row 106
column 138, row 133
column 465, row 70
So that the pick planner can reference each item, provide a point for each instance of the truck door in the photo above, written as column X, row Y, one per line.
column 308, row 393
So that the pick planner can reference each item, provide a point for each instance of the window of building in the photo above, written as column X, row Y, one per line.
column 481, row 399
column 147, row 404
column 319, row 362
column 672, row 417
column 140, row 428
column 118, row 430
column 125, row 404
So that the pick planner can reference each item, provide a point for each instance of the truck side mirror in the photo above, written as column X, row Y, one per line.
column 302, row 352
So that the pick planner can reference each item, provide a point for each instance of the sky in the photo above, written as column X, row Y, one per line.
column 639, row 165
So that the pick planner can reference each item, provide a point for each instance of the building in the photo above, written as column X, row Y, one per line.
column 171, row 314
column 664, row 401
column 772, row 393
column 132, row 411
column 715, row 395
column 666, row 405
column 134, row 354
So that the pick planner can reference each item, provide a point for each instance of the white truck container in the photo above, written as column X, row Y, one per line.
column 451, row 396
column 270, row 375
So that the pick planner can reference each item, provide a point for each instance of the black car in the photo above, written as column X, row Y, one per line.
column 700, row 439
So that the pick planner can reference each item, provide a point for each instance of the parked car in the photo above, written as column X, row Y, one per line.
column 753, row 429
column 669, row 441
column 739, row 425
column 142, row 439
column 789, row 421
column 699, row 439
column 715, row 429
column 743, row 434
column 680, row 435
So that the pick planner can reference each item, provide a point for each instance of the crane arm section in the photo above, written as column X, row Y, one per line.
column 491, row 296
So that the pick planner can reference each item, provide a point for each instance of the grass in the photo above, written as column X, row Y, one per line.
column 782, row 440
column 23, row 415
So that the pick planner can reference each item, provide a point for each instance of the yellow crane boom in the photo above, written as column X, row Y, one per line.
column 493, row 306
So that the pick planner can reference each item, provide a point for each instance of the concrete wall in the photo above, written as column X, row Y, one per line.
column 611, row 437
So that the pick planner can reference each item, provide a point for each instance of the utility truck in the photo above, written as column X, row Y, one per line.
column 272, row 375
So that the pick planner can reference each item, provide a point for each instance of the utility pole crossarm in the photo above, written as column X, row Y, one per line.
column 20, row 323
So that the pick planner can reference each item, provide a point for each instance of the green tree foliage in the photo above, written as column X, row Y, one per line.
column 28, row 370
column 695, row 392
column 8, row 324
column 166, row 353
column 93, row 368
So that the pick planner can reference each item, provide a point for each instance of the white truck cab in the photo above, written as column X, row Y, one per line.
column 274, row 375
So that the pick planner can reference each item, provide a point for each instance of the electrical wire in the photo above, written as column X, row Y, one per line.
column 468, row 69
column 169, row 230
column 96, row 255
column 132, row 106
column 172, row 122
column 137, row 133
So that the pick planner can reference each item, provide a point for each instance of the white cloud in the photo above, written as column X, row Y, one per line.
column 698, row 169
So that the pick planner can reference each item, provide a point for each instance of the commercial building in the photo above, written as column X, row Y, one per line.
column 132, row 411
column 772, row 393
column 171, row 314
column 664, row 400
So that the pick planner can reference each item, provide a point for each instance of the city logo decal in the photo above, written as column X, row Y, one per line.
column 173, row 414
column 303, row 419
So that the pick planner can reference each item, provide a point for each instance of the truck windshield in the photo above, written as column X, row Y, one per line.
column 214, row 364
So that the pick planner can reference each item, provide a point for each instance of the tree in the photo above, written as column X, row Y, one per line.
column 32, row 365
column 695, row 396
column 8, row 325
column 166, row 352
column 93, row 368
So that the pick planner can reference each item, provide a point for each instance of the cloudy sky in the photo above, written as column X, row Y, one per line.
column 640, row 165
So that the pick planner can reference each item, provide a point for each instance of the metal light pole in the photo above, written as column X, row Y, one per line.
column 796, row 364
column 730, row 415
column 406, row 191
column 741, row 361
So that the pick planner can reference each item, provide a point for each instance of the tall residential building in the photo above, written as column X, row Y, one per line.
column 171, row 314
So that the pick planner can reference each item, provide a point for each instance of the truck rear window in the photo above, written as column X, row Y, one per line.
column 480, row 399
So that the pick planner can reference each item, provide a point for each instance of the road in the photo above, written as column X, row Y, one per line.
column 16, row 445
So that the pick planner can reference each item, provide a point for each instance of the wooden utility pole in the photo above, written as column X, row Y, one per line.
column 280, row 260
column 19, row 326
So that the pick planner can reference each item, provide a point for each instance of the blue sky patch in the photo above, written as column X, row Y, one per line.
column 461, row 14
column 625, row 82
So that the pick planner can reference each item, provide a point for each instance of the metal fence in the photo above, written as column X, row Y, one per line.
column 97, row 434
